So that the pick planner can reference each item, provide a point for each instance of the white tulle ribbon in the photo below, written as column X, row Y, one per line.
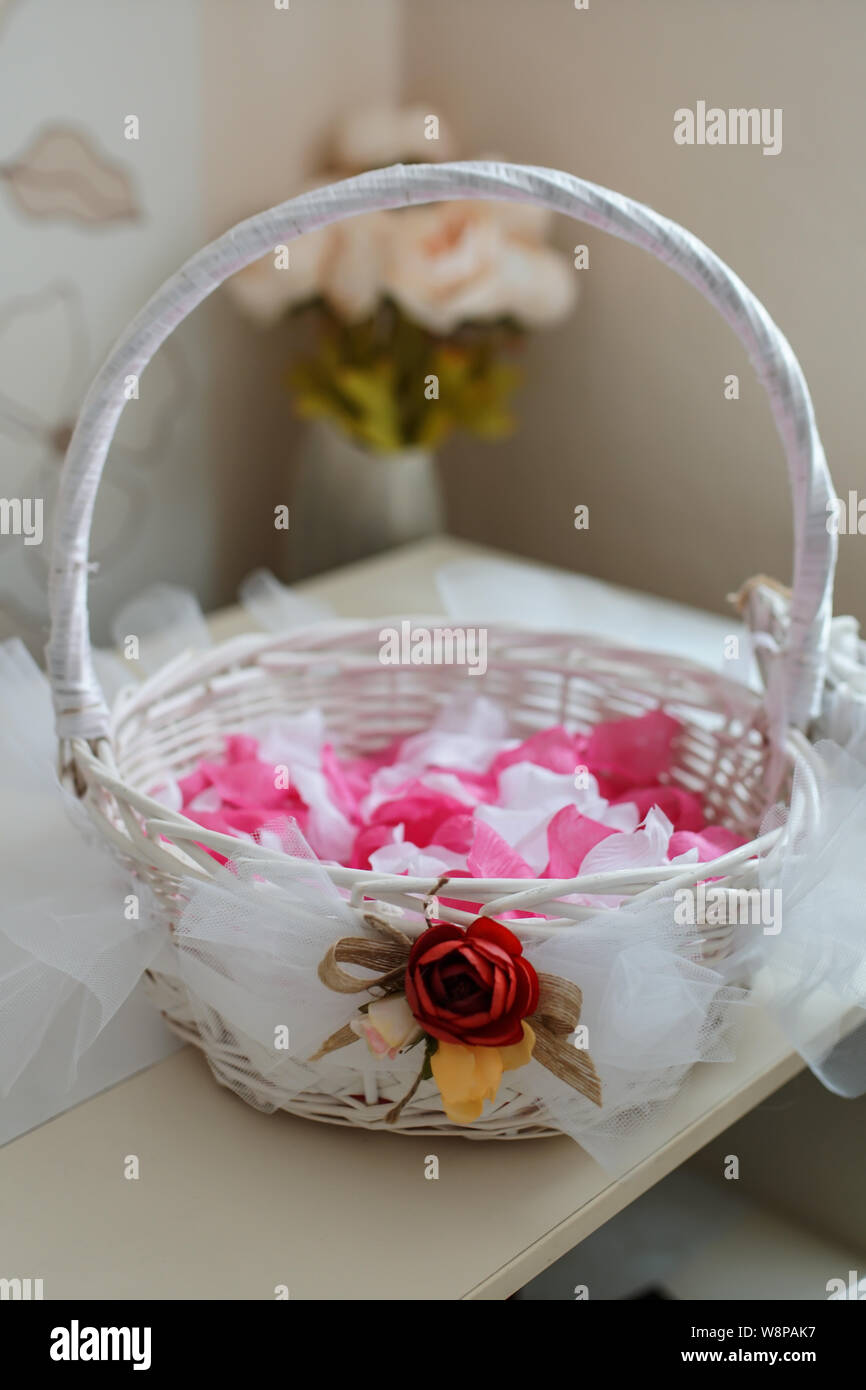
column 843, row 715
column 651, row 1011
column 74, row 938
column 165, row 620
column 248, row 952
column 247, row 949
column 276, row 607
column 815, row 963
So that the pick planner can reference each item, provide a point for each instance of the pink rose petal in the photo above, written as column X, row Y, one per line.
column 241, row 748
column 631, row 752
column 713, row 841
column 682, row 808
column 492, row 857
column 193, row 785
column 420, row 809
column 570, row 837
column 481, row 786
column 457, row 832
column 339, row 784
column 555, row 749
column 367, row 841
column 248, row 783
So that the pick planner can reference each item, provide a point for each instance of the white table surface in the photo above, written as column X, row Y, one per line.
column 231, row 1203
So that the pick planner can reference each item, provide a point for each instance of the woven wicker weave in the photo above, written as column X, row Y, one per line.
column 731, row 752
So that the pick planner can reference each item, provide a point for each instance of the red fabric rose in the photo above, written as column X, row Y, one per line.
column 471, row 987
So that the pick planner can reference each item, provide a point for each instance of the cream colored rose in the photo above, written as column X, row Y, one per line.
column 387, row 1026
column 264, row 291
column 452, row 263
column 444, row 264
column 342, row 264
column 352, row 271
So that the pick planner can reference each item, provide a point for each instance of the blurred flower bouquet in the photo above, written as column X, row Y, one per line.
column 415, row 312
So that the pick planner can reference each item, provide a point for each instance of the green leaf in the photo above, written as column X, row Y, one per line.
column 369, row 379
column 427, row 1070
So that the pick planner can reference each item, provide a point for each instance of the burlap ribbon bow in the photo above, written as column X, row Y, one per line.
column 556, row 1017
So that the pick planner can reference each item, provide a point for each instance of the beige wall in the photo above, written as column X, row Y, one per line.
column 275, row 84
column 623, row 408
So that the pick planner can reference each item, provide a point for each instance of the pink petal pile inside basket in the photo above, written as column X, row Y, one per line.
column 461, row 797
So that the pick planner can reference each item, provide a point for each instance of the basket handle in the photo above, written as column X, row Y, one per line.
column 80, row 708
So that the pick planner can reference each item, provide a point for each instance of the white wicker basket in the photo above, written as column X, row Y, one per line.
column 732, row 751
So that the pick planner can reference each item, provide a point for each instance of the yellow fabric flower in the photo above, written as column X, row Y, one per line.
column 467, row 1076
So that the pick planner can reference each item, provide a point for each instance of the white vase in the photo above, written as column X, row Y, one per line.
column 348, row 503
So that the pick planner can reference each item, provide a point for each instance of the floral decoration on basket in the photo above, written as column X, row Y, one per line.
column 474, row 1001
